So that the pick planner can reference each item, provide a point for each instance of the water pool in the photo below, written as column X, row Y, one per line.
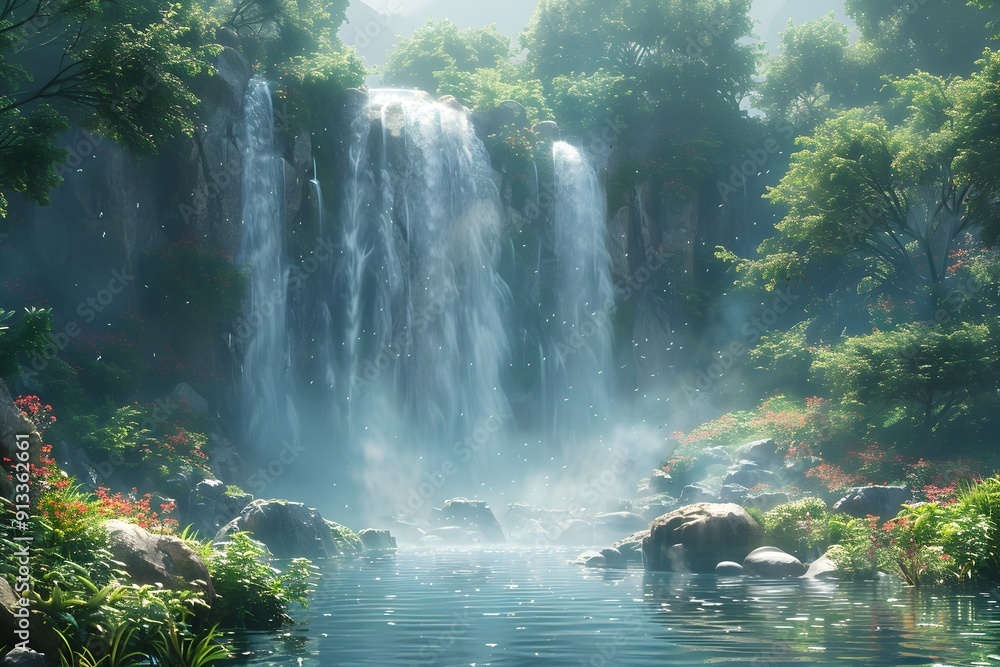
column 530, row 607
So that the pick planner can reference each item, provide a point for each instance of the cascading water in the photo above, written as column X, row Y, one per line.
column 268, row 410
column 423, row 332
column 577, row 371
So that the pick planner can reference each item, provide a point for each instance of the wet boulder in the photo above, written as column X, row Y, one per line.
column 24, row 657
column 661, row 482
column 292, row 530
column 881, row 501
column 697, row 493
column 472, row 515
column 707, row 533
column 773, row 563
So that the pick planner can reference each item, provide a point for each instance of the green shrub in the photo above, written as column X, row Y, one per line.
column 252, row 594
column 799, row 527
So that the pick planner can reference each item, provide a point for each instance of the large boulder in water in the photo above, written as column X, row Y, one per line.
column 292, row 530
column 773, row 563
column 158, row 559
column 881, row 501
column 707, row 533
column 472, row 515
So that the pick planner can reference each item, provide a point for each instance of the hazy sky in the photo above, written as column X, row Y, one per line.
column 375, row 23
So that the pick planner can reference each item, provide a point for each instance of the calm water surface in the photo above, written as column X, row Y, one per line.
column 529, row 607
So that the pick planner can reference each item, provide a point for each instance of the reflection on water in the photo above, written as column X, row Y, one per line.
column 521, row 607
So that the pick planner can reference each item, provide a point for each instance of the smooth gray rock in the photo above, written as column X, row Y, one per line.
column 158, row 559
column 728, row 568
column 773, row 563
column 821, row 568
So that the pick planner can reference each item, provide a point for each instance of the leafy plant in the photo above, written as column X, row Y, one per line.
column 800, row 527
column 252, row 594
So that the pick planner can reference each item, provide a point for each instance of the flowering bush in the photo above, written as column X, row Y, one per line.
column 797, row 426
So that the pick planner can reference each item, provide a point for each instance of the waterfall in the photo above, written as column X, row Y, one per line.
column 578, row 360
column 268, row 410
column 422, row 308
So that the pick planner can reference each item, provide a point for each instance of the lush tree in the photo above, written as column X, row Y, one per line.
column 119, row 68
column 874, row 209
column 943, row 37
column 916, row 373
column 440, row 48
column 979, row 143
column 27, row 335
column 816, row 71
column 667, row 50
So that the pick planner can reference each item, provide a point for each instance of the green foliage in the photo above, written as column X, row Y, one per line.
column 942, row 37
column 978, row 129
column 141, row 437
column 782, row 360
column 930, row 370
column 816, row 72
column 591, row 100
column 252, row 594
column 486, row 88
column 440, row 49
column 799, row 527
column 25, row 336
column 191, row 286
column 118, row 68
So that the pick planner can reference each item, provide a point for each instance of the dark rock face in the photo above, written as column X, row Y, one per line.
column 631, row 547
column 881, row 501
column 614, row 558
column 292, row 530
column 660, row 482
column 9, row 603
column 773, row 563
column 158, row 559
column 708, row 533
column 473, row 515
